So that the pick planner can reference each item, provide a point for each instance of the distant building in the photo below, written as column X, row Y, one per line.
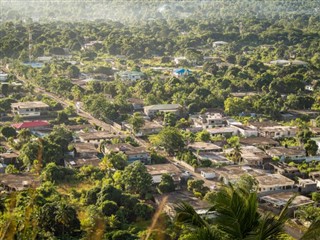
column 224, row 131
column 29, row 109
column 133, row 153
column 130, row 75
column 276, row 202
column 3, row 77
column 172, row 199
column 152, row 110
column 79, row 162
column 219, row 43
column 307, row 186
column 283, row 153
column 261, row 142
column 149, row 128
column 19, row 181
column 202, row 147
column 95, row 137
column 181, row 72
column 210, row 120
column 157, row 170
column 278, row 131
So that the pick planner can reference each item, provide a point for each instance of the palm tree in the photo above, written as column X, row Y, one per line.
column 236, row 153
column 63, row 215
column 236, row 217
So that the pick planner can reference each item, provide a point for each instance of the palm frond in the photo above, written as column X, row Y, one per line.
column 313, row 231
column 187, row 215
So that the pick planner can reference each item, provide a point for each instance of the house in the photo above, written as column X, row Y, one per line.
column 267, row 183
column 157, row 170
column 19, row 181
column 276, row 132
column 276, row 202
column 317, row 140
column 217, row 158
column 136, row 103
column 31, row 125
column 309, row 88
column 3, row 77
column 307, row 185
column 286, row 170
column 171, row 200
column 132, row 153
column 304, row 113
column 207, row 173
column 85, row 150
column 181, row 72
column 254, row 156
column 261, row 142
column 224, row 131
column 204, row 147
column 152, row 110
column 79, row 162
column 44, row 59
column 29, row 109
column 283, row 153
column 274, row 183
column 95, row 137
column 280, row 62
column 209, row 120
column 81, row 128
column 130, row 75
column 316, row 177
column 247, row 131
column 219, row 43
column 9, row 158
column 149, row 127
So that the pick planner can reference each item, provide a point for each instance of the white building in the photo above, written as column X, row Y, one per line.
column 152, row 110
column 278, row 131
column 130, row 75
column 29, row 109
column 3, row 77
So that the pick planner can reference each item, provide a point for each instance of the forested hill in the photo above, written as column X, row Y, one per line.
column 149, row 10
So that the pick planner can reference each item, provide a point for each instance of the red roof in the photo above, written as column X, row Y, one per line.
column 32, row 124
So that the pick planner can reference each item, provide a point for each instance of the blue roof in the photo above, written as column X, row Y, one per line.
column 181, row 71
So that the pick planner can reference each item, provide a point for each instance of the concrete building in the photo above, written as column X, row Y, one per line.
column 96, row 137
column 157, row 170
column 172, row 199
column 224, row 131
column 274, row 183
column 130, row 75
column 149, row 127
column 260, row 142
column 29, row 109
column 3, row 77
column 152, row 110
column 247, row 131
column 276, row 202
column 210, row 120
column 132, row 153
column 204, row 147
column 291, row 153
column 276, row 132
column 254, row 156
column 207, row 173
column 19, row 181
column 307, row 186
